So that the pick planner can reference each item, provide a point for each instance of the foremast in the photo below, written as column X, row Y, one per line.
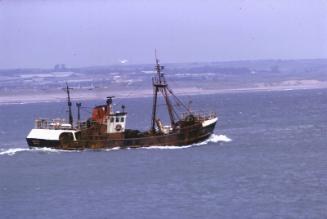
column 69, row 103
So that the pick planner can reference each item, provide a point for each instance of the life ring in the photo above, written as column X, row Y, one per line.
column 118, row 127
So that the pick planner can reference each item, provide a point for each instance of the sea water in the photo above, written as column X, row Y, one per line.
column 266, row 159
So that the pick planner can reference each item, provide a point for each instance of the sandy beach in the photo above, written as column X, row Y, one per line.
column 84, row 95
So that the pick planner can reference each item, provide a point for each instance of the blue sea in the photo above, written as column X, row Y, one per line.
column 266, row 159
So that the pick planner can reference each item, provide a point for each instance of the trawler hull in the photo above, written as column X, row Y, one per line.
column 185, row 136
column 50, row 138
column 42, row 143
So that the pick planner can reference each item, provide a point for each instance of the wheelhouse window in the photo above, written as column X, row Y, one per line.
column 112, row 119
column 117, row 119
column 122, row 119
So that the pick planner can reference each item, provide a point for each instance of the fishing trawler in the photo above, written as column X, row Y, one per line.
column 106, row 128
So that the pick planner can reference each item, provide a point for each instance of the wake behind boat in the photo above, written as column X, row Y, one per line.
column 107, row 128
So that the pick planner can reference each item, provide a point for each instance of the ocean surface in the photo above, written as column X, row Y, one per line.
column 267, row 159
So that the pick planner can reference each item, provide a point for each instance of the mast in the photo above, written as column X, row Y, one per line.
column 154, row 107
column 159, row 84
column 78, row 105
column 109, row 105
column 69, row 103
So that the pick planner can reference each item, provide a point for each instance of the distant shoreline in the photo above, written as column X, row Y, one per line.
column 98, row 95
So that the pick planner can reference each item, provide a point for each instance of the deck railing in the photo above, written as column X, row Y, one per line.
column 43, row 123
column 200, row 115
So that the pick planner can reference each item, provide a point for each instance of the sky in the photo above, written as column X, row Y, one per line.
column 43, row 33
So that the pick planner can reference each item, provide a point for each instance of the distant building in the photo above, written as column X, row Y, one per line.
column 60, row 67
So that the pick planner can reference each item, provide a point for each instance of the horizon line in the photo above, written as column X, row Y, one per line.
column 173, row 63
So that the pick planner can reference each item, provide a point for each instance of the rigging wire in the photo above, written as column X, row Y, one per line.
column 187, row 95
column 172, row 108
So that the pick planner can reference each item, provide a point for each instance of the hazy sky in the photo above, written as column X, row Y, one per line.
column 42, row 33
